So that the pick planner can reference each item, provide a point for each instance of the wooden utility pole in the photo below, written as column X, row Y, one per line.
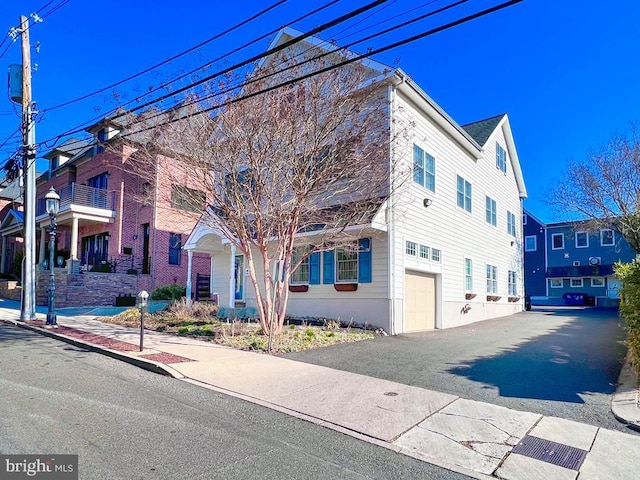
column 28, row 306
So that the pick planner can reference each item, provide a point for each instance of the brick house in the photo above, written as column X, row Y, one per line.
column 112, row 222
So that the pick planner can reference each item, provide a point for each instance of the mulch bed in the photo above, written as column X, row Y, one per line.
column 90, row 337
column 165, row 358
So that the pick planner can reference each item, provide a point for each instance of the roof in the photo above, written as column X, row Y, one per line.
column 72, row 146
column 481, row 130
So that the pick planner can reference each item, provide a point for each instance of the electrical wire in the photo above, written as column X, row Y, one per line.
column 170, row 59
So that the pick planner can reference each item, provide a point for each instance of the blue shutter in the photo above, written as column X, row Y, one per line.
column 327, row 267
column 314, row 268
column 364, row 261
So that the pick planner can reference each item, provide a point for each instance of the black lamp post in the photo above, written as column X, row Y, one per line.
column 52, row 200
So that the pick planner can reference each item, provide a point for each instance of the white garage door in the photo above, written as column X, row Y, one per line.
column 420, row 301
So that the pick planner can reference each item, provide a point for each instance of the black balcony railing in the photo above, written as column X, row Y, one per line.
column 580, row 271
column 81, row 195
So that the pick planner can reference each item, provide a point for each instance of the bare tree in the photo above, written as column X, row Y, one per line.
column 280, row 162
column 604, row 188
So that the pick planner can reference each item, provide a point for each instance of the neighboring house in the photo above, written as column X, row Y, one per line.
column 535, row 268
column 576, row 259
column 11, row 228
column 111, row 222
column 442, row 251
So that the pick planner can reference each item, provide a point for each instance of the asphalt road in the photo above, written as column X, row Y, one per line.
column 561, row 362
column 126, row 423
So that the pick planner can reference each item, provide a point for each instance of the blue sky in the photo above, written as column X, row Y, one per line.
column 565, row 71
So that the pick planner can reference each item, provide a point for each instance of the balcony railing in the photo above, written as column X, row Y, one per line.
column 81, row 195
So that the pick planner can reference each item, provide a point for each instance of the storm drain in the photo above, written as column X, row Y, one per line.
column 551, row 452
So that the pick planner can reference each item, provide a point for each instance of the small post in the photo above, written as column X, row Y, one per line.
column 143, row 296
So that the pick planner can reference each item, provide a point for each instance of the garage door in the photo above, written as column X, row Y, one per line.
column 420, row 301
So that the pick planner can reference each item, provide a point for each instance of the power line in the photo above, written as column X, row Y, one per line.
column 170, row 59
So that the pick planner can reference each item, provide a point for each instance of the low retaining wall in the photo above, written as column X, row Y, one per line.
column 10, row 289
column 87, row 288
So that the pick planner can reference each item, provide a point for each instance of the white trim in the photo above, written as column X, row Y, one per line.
column 535, row 243
column 597, row 278
column 613, row 237
column 571, row 285
column 561, row 280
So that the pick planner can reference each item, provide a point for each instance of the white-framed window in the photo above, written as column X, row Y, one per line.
column 582, row 239
column 424, row 252
column 491, row 211
column 597, row 282
column 501, row 158
column 525, row 218
column 556, row 283
column 557, row 241
column 576, row 263
column 346, row 266
column 468, row 275
column 492, row 279
column 513, row 285
column 511, row 223
column 300, row 275
column 607, row 238
column 576, row 283
column 530, row 243
column 464, row 194
column 412, row 248
column 424, row 168
column 436, row 255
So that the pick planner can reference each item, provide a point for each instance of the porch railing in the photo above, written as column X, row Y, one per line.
column 81, row 195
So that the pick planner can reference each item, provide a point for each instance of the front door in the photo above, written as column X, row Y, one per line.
column 613, row 287
column 95, row 250
column 239, row 277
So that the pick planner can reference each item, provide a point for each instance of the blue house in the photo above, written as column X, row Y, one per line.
column 575, row 260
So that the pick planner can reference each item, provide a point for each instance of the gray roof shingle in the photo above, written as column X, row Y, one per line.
column 481, row 131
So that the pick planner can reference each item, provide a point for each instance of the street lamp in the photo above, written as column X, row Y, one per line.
column 52, row 201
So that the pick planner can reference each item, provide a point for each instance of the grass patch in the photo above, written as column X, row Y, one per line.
column 200, row 321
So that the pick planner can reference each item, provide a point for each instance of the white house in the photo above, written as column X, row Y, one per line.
column 443, row 250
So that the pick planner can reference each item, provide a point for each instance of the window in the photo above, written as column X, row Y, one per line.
column 491, row 215
column 424, row 252
column 464, row 194
column 511, row 223
column 582, row 240
column 301, row 274
column 99, row 181
column 468, row 275
column 501, row 158
column 597, row 282
column 346, row 266
column 435, row 255
column 525, row 218
column 175, row 248
column 513, row 286
column 187, row 199
column 492, row 279
column 557, row 241
column 576, row 282
column 606, row 237
column 412, row 248
column 556, row 283
column 576, row 263
column 424, row 168
column 530, row 243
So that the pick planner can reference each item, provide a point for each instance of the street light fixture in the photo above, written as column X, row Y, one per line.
column 52, row 201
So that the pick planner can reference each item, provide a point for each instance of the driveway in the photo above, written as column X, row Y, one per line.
column 561, row 362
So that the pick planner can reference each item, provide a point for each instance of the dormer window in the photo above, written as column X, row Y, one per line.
column 102, row 136
column 54, row 163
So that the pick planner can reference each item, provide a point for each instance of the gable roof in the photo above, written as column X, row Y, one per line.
column 481, row 130
column 72, row 146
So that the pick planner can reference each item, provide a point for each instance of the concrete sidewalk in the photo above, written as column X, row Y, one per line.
column 474, row 438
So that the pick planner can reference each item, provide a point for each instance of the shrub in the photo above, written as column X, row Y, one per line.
column 629, row 275
column 169, row 292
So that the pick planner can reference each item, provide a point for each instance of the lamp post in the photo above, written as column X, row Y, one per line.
column 52, row 200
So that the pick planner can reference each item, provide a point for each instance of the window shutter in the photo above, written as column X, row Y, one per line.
column 314, row 268
column 364, row 261
column 327, row 267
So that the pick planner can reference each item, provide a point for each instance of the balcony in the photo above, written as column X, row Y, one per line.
column 83, row 196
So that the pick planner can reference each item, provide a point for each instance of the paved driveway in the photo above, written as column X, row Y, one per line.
column 562, row 362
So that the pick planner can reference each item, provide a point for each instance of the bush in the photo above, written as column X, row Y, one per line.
column 169, row 292
column 629, row 275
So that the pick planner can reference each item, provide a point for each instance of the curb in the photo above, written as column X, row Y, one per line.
column 625, row 402
column 145, row 364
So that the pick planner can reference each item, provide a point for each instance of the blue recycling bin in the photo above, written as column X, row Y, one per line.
column 574, row 298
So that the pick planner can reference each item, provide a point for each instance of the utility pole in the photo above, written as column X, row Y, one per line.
column 28, row 306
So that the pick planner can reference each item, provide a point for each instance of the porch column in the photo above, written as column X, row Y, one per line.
column 232, row 278
column 189, row 263
column 211, row 289
column 3, row 257
column 74, row 239
column 43, row 244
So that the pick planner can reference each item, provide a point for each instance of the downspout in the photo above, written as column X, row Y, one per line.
column 546, row 282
